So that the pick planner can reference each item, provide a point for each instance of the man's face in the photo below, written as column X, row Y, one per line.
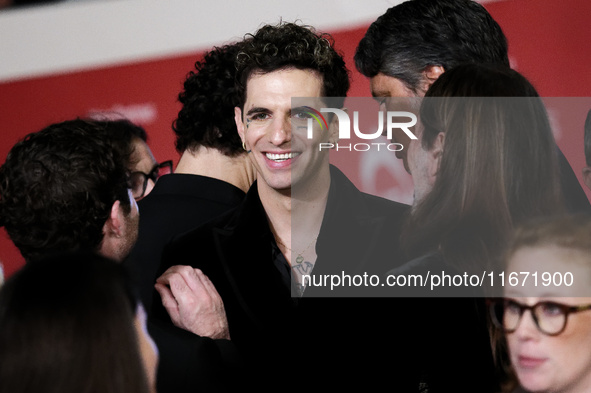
column 281, row 157
column 142, row 160
column 384, row 87
column 587, row 176
column 420, row 165
column 120, row 231
column 132, row 221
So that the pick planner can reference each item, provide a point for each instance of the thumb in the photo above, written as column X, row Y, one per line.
column 168, row 301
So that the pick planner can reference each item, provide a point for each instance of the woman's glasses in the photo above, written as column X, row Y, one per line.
column 549, row 317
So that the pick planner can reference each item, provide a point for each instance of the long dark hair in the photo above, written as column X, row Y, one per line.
column 498, row 166
column 67, row 326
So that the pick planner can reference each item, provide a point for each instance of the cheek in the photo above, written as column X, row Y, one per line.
column 150, row 186
column 253, row 159
column 135, row 210
column 571, row 360
column 399, row 136
column 253, row 135
column 511, row 344
column 413, row 154
column 575, row 343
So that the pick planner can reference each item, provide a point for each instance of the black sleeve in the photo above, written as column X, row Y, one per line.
column 190, row 363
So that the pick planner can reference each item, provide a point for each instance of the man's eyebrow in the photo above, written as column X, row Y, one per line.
column 257, row 110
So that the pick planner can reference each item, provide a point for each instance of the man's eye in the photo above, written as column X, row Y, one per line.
column 259, row 116
column 301, row 115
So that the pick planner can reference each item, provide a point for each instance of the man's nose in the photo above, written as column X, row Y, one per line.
column 280, row 131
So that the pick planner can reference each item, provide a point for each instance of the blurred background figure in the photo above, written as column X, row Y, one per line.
column 402, row 60
column 485, row 160
column 212, row 177
column 72, row 324
column 65, row 188
column 478, row 172
column 213, row 172
column 131, row 141
column 548, row 327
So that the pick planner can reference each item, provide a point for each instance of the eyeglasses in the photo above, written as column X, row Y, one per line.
column 139, row 180
column 549, row 317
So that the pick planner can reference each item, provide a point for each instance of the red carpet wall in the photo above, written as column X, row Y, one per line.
column 81, row 58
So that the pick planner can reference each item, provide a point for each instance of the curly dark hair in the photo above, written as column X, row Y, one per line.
column 122, row 134
column 289, row 45
column 419, row 33
column 209, row 97
column 57, row 188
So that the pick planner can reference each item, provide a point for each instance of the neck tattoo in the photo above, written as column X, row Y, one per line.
column 299, row 258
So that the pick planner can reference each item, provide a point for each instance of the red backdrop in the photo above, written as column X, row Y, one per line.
column 548, row 43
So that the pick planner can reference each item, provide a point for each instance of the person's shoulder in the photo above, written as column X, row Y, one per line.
column 196, row 247
column 203, row 233
column 373, row 203
column 382, row 203
column 424, row 263
column 232, row 224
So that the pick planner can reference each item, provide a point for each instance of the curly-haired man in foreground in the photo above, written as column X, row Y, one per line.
column 65, row 188
column 301, row 214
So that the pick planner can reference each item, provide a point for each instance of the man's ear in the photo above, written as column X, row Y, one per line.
column 333, row 127
column 239, row 123
column 435, row 153
column 430, row 75
column 587, row 176
column 114, row 226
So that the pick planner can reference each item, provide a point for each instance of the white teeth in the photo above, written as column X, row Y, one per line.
column 280, row 157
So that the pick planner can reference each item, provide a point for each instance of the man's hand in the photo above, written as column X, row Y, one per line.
column 192, row 302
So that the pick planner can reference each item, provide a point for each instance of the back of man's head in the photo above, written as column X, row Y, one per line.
column 209, row 97
column 123, row 135
column 58, row 187
column 289, row 45
column 417, row 34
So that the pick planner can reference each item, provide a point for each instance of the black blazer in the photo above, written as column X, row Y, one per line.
column 177, row 203
column 321, row 341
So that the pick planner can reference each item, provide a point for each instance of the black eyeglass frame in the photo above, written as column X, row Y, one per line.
column 565, row 310
column 152, row 175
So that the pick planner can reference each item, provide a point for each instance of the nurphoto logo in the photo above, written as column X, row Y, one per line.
column 394, row 120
